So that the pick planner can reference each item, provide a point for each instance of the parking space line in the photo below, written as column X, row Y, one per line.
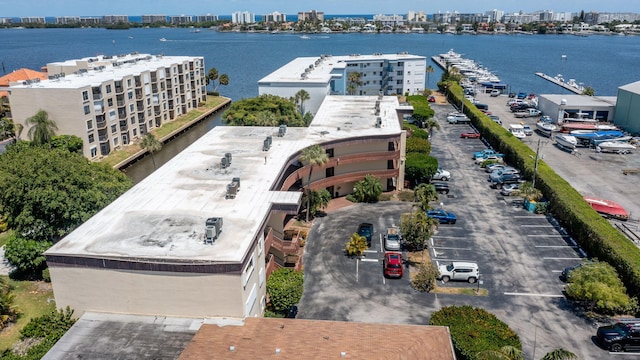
column 548, row 235
column 449, row 237
column 532, row 294
column 556, row 246
column 452, row 260
column 538, row 226
column 370, row 260
column 562, row 258
column 527, row 217
column 371, row 251
column 450, row 248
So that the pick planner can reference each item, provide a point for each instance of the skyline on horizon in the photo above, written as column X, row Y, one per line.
column 25, row 8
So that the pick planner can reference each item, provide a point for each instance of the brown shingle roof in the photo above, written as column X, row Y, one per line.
column 21, row 75
column 260, row 338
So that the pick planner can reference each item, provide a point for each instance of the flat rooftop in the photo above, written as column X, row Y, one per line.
column 163, row 217
column 318, row 69
column 129, row 64
column 581, row 100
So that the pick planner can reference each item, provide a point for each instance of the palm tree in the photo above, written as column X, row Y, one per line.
column 424, row 193
column 504, row 353
column 432, row 124
column 212, row 75
column 559, row 354
column 301, row 97
column 312, row 155
column 42, row 128
column 429, row 70
column 353, row 81
column 224, row 80
column 151, row 144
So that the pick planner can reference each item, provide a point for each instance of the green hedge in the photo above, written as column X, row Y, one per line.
column 474, row 330
column 594, row 233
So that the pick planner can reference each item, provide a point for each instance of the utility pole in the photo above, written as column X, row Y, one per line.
column 535, row 166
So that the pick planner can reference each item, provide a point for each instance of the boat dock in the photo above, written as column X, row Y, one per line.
column 560, row 83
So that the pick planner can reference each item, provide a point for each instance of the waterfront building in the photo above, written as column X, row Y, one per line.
column 88, row 21
column 150, row 19
column 5, row 21
column 312, row 15
column 206, row 18
column 389, row 20
column 627, row 114
column 199, row 236
column 32, row 20
column 64, row 20
column 520, row 18
column 593, row 108
column 243, row 17
column 114, row 19
column 18, row 76
column 389, row 74
column 419, row 16
column 109, row 101
column 274, row 17
column 494, row 15
column 181, row 19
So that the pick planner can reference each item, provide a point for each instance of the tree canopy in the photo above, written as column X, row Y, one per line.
column 285, row 287
column 247, row 112
column 46, row 193
column 420, row 167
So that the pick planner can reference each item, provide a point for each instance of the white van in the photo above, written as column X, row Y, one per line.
column 517, row 130
column 463, row 271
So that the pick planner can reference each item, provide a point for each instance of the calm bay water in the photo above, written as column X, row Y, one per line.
column 602, row 62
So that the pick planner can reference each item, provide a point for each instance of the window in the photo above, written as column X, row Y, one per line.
column 112, row 115
column 133, row 121
column 131, row 108
column 392, row 146
column 260, row 246
column 89, row 124
column 329, row 153
column 400, row 63
column 130, row 95
column 108, row 89
column 261, row 276
column 390, row 164
column 116, row 141
column 91, row 139
column 399, row 72
column 87, row 109
column 247, row 272
column 85, row 96
column 329, row 172
column 110, row 102
column 135, row 132
column 94, row 152
column 114, row 129
column 128, row 83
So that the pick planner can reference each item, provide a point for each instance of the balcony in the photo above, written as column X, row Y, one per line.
column 101, row 124
column 97, row 96
column 119, row 90
column 270, row 264
column 122, row 115
column 139, row 95
column 124, row 125
column 120, row 103
column 141, row 119
column 154, row 88
column 103, row 138
column 168, row 82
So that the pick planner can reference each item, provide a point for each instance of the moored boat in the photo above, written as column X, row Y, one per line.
column 607, row 207
column 566, row 141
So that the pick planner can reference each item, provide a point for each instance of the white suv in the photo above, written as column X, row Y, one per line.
column 463, row 271
column 458, row 118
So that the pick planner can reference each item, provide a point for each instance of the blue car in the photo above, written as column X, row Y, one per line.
column 443, row 217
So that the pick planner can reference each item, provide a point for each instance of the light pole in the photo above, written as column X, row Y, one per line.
column 535, row 166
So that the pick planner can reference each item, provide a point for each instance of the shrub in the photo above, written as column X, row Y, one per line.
column 384, row 197
column 357, row 245
column 27, row 256
column 406, row 195
column 425, row 279
column 367, row 190
column 419, row 145
column 474, row 330
column 285, row 287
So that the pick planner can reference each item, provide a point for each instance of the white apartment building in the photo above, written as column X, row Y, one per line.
column 112, row 19
column 389, row 20
column 181, row 19
column 150, row 19
column 150, row 252
column 274, row 17
column 206, row 18
column 243, row 17
column 389, row 74
column 33, row 20
column 108, row 101
column 63, row 20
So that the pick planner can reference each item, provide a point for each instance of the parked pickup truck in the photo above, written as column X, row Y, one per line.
column 527, row 113
column 485, row 153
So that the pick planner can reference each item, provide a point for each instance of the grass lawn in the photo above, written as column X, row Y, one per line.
column 31, row 301
column 4, row 237
column 126, row 151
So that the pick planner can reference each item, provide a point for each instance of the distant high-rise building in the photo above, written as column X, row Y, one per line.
column 274, row 17
column 150, row 19
column 114, row 19
column 181, row 19
column 64, row 20
column 494, row 15
column 90, row 21
column 243, row 17
column 32, row 20
column 206, row 18
column 312, row 15
column 389, row 20
column 419, row 16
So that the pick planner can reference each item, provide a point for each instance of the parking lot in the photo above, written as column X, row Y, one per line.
column 520, row 256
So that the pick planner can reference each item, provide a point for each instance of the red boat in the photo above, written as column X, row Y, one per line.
column 607, row 208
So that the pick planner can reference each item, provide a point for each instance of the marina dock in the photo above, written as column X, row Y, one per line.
column 561, row 83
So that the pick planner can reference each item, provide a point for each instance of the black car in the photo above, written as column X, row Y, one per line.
column 521, row 106
column 293, row 312
column 366, row 230
column 441, row 187
column 622, row 336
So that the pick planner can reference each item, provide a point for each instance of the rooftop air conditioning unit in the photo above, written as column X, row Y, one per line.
column 212, row 229
column 232, row 190
column 228, row 157
column 266, row 144
column 282, row 130
column 223, row 163
column 379, row 122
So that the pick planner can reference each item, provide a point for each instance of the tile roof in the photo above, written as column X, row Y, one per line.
column 266, row 338
column 20, row 75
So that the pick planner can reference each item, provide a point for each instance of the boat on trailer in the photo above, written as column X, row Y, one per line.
column 545, row 128
column 607, row 208
column 619, row 147
column 568, row 142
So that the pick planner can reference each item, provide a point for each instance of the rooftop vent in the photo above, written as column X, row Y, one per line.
column 282, row 130
column 224, row 163
column 379, row 122
column 228, row 157
column 232, row 190
column 212, row 229
column 266, row 144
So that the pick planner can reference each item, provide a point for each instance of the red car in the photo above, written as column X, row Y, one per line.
column 431, row 98
column 470, row 135
column 393, row 264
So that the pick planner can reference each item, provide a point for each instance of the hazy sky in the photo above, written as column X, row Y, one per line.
column 20, row 8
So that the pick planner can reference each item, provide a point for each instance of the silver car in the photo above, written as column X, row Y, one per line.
column 509, row 189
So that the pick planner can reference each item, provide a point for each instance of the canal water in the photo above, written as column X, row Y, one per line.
column 140, row 169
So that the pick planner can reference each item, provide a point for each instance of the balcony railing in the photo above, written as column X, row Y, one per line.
column 120, row 103
column 103, row 138
column 270, row 264
column 139, row 95
column 101, row 124
column 119, row 89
